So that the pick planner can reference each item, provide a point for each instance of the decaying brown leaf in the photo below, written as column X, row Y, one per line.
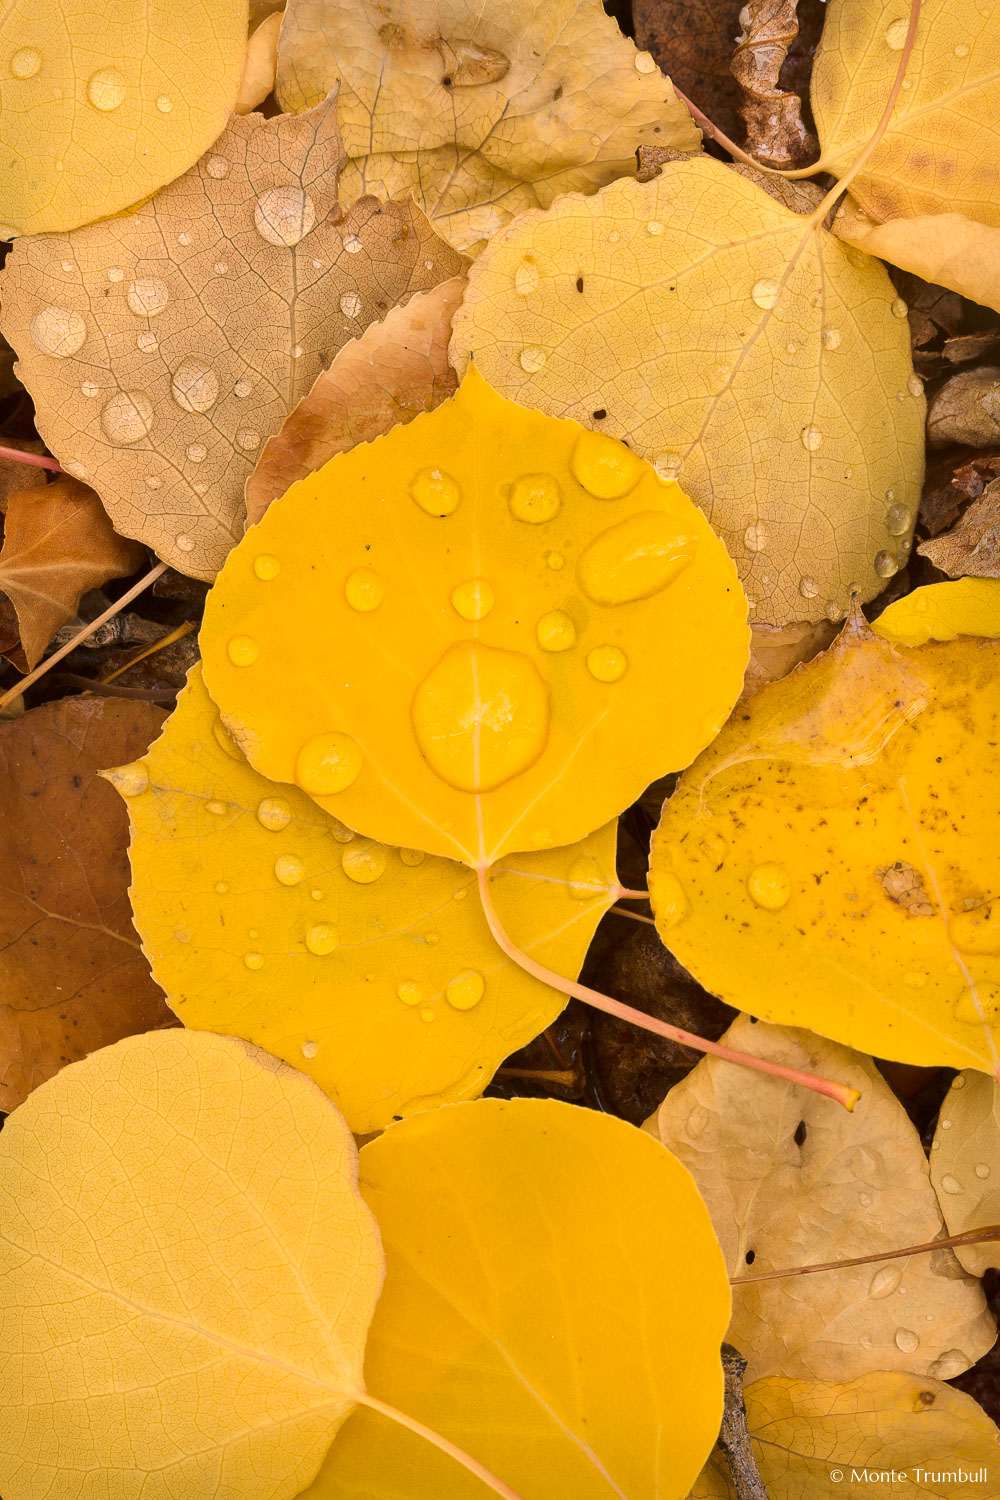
column 72, row 977
column 58, row 543
column 775, row 650
column 972, row 549
column 18, row 476
column 953, row 479
column 395, row 370
column 967, row 409
column 776, row 134
column 790, row 1179
column 692, row 41
column 479, row 109
column 162, row 348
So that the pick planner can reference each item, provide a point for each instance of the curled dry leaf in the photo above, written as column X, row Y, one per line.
column 520, row 626
column 162, row 348
column 830, row 860
column 776, row 650
column 479, row 110
column 235, row 1323
column 776, row 133
column 915, row 1428
column 58, row 543
column 972, row 548
column 395, row 370
column 731, row 342
column 965, row 1165
column 930, row 183
column 371, row 969
column 967, row 410
column 71, row 974
column 486, row 1327
column 100, row 106
column 791, row 1180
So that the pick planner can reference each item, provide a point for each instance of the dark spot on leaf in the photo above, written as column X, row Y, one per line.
column 800, row 1133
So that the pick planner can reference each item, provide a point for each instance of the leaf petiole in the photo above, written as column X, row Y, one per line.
column 453, row 1451
column 970, row 1237
column 36, row 460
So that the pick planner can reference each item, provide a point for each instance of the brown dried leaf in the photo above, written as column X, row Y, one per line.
column 972, row 548
column 18, row 476
column 692, row 41
column 776, row 650
column 775, row 131
column 72, row 976
column 395, row 370
column 161, row 348
column 58, row 543
column 966, row 409
column 954, row 478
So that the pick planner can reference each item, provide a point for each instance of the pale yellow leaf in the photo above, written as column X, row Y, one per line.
column 259, row 65
column 965, row 1164
column 949, row 249
column 943, row 611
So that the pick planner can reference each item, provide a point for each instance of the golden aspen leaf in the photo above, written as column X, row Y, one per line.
column 371, row 969
column 736, row 345
column 859, row 852
column 554, row 1302
column 965, row 1165
column 57, row 544
column 189, row 1272
column 811, row 1437
column 942, row 611
column 932, row 174
column 791, row 1180
column 101, row 106
column 486, row 631
column 161, row 349
column 395, row 370
column 480, row 111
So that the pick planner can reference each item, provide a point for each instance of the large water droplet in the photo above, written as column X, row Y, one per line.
column 886, row 564
column 951, row 1184
column 217, row 167
column 25, row 63
column 481, row 716
column 884, row 1282
column 363, row 590
column 289, row 869
column 328, row 764
column 58, row 330
column 350, row 304
column 127, row 417
column 435, row 492
column 535, row 498
column 949, row 1364
column 895, row 35
column 635, row 559
column 907, row 1340
column 364, row 862
column 274, row 813
column 194, row 385
column 284, row 215
column 473, row 599
column 243, row 650
column 465, row 990
column 811, row 438
column 607, row 663
column 832, row 338
column 532, row 358
column 897, row 520
column 769, row 886
column 756, row 536
column 410, row 992
column 898, row 308
column 106, row 89
column 321, row 939
column 605, row 468
column 525, row 280
column 808, row 588
column 765, row 292
column 555, row 631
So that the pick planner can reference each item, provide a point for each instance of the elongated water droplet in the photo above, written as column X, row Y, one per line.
column 130, row 780
column 635, row 559
column 884, row 1282
column 950, row 1184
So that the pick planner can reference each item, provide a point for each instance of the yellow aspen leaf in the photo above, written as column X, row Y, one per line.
column 737, row 346
column 395, row 370
column 481, row 111
column 929, row 185
column 101, row 106
column 486, row 631
column 790, row 1181
column 554, row 1302
column 372, row 969
column 163, row 348
column 189, row 1272
column 859, row 852
column 942, row 611
column 810, row 1436
column 965, row 1165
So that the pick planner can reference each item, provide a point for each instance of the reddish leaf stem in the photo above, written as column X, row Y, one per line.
column 37, row 460
column 844, row 1095
column 453, row 1451
column 970, row 1237
column 720, row 135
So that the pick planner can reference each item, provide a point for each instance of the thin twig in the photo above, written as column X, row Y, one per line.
column 734, row 1436
column 970, row 1237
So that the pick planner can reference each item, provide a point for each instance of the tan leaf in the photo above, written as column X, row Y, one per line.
column 162, row 348
column 19, row 476
column 479, row 110
column 791, row 1179
column 776, row 650
column 972, row 549
column 948, row 249
column 260, row 64
column 395, row 370
column 58, row 543
column 965, row 1164
column 812, row 1439
column 72, row 977
column 737, row 346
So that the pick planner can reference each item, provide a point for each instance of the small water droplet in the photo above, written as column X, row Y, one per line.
column 525, row 280
column 127, row 417
column 886, row 564
column 147, row 296
column 898, row 308
column 350, row 304
column 409, row 992
column 288, row 868
column 907, row 1340
column 243, row 650
column 106, row 89
column 254, row 960
column 184, row 542
column 309, row 1050
column 432, row 939
column 316, row 895
column 363, row 590
column 221, row 888
column 535, row 498
column 217, row 167
column 532, row 358
column 284, row 215
column 884, row 1282
column 242, row 388
column 67, row 265
column 555, row 631
column 605, row 468
column 58, row 330
column 811, row 438
column 194, row 385
column 915, row 979
column 248, row 438
column 25, row 63
column 756, row 536
column 865, row 1341
column 465, row 990
column 668, row 466
column 90, row 388
column 298, row 351
column 221, row 267
column 197, row 452
column 808, row 588
column 654, row 227
column 183, row 239
column 895, row 36
column 412, row 857
column 982, row 1169
column 898, row 520
column 607, row 663
column 364, row 862
column 765, row 292
column 958, row 1082
column 274, row 813
column 832, row 338
column 328, row 764
column 951, row 1184
column 945, row 1124
column 352, row 244
column 164, row 104
column 769, row 886
column 75, row 467
column 321, row 939
column 473, row 599
column 915, row 385
column 147, row 342
column 644, row 63
column 435, row 492
column 200, row 487
column 555, row 561
column 962, row 50
column 865, row 1199
column 427, row 1014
